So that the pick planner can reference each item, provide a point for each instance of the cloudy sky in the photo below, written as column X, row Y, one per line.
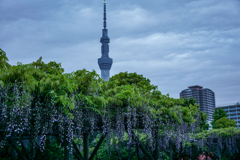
column 174, row 43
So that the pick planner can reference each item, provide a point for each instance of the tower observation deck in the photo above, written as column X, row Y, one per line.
column 105, row 62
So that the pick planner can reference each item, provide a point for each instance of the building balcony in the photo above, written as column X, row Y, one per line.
column 234, row 116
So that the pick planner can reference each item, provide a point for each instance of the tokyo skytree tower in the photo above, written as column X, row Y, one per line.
column 105, row 62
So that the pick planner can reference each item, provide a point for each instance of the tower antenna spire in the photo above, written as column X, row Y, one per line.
column 104, row 14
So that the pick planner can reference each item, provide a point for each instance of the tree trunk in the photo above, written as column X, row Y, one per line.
column 141, row 146
column 86, row 145
column 97, row 147
column 219, row 152
column 77, row 152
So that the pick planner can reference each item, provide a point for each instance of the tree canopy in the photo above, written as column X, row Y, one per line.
column 125, row 78
column 39, row 98
column 224, row 123
column 218, row 114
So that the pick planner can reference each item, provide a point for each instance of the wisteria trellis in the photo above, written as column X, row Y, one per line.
column 38, row 100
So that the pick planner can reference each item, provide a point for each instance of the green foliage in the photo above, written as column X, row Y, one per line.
column 222, row 132
column 190, row 101
column 218, row 114
column 118, row 148
column 51, row 68
column 217, row 143
column 202, row 116
column 7, row 152
column 123, row 96
column 224, row 123
column 52, row 151
column 47, row 80
column 125, row 78
column 136, row 90
column 3, row 61
column 203, row 121
column 128, row 92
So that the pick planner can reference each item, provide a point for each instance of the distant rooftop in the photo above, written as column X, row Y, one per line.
column 196, row 86
column 228, row 105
